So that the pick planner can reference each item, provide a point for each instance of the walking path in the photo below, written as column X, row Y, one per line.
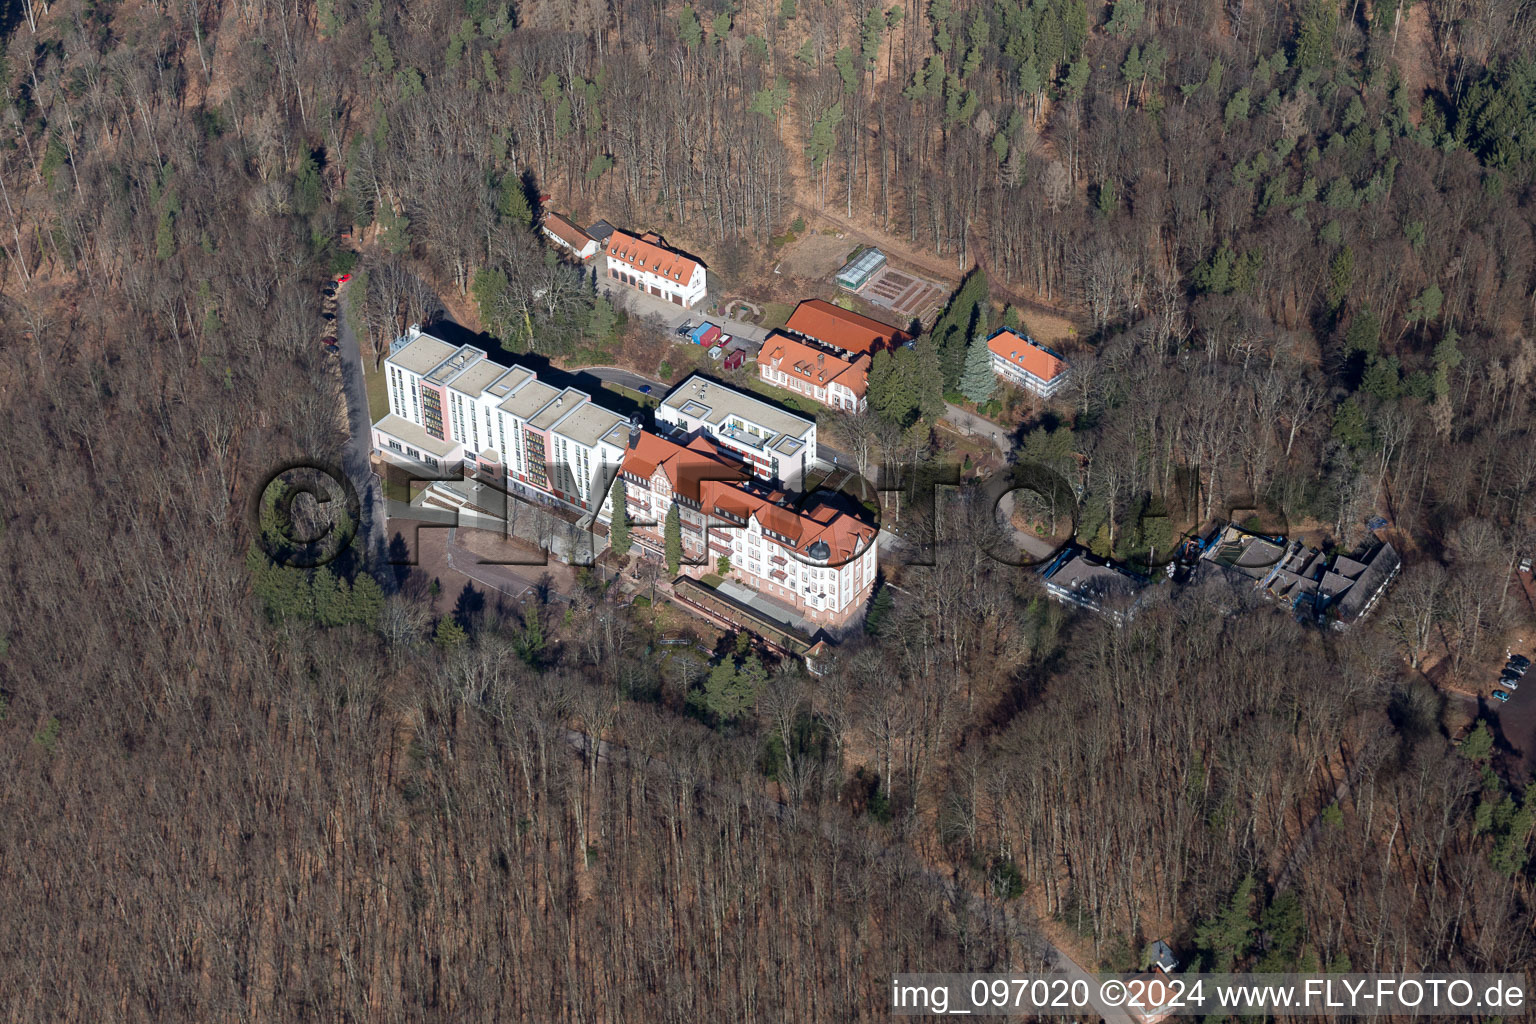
column 355, row 456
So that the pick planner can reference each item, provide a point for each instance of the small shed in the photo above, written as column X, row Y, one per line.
column 705, row 334
column 734, row 357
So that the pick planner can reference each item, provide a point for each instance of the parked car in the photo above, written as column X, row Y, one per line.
column 1525, row 564
column 682, row 331
column 332, row 348
column 645, row 389
column 1513, row 669
column 1519, row 661
column 1510, row 684
column 343, row 279
column 1500, row 696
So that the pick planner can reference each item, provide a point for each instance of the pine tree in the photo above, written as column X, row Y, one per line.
column 513, row 205
column 618, row 527
column 449, row 634
column 332, row 597
column 530, row 646
column 673, row 532
column 952, row 331
column 977, row 382
column 928, row 380
column 1225, row 939
column 367, row 600
column 879, row 610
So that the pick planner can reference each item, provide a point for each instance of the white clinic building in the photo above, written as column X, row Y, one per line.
column 451, row 407
column 775, row 444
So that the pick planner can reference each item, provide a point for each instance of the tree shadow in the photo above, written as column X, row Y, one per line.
column 469, row 608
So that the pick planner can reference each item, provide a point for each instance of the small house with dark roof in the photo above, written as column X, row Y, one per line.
column 600, row 232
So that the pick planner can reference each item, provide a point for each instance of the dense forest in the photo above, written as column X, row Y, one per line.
column 1298, row 237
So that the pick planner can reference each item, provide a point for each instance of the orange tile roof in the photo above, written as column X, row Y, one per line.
column 700, row 472
column 843, row 534
column 813, row 363
column 645, row 254
column 1027, row 354
column 566, row 231
column 685, row 466
column 853, row 332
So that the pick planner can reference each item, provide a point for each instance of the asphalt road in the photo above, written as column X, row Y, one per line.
column 360, row 444
column 625, row 378
column 978, row 426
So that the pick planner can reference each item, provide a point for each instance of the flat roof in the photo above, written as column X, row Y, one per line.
column 510, row 381
column 478, row 377
column 463, row 357
column 423, row 354
column 590, row 423
column 404, row 430
column 715, row 403
column 529, row 399
column 564, row 402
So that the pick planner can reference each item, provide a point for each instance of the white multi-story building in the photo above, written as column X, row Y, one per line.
column 1022, row 360
column 819, row 374
column 452, row 406
column 647, row 265
column 812, row 556
column 775, row 444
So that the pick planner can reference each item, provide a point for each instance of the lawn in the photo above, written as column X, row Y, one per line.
column 796, row 403
column 377, row 389
column 776, row 314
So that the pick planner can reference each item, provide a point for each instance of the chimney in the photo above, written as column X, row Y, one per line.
column 821, row 357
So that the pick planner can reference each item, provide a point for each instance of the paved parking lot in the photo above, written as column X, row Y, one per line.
column 675, row 316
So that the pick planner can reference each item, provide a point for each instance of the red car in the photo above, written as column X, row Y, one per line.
column 343, row 279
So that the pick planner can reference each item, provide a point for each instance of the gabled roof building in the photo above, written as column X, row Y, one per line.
column 811, row 556
column 1326, row 587
column 721, row 457
column 566, row 234
column 647, row 265
column 850, row 333
column 820, row 374
column 1101, row 585
column 1020, row 359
